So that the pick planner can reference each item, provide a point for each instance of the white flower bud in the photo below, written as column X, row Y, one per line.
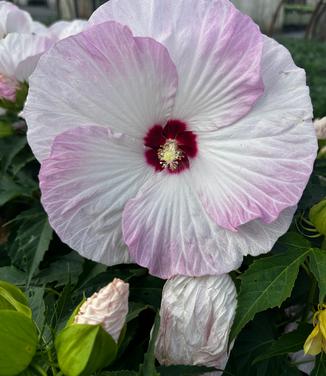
column 320, row 127
column 108, row 307
column 196, row 318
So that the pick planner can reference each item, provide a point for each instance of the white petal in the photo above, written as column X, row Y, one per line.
column 168, row 231
column 216, row 49
column 64, row 29
column 85, row 184
column 196, row 318
column 19, row 54
column 260, row 165
column 102, row 76
column 13, row 19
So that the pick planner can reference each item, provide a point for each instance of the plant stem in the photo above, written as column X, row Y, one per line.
column 54, row 371
column 39, row 369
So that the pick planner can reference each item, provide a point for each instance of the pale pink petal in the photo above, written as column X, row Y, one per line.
column 216, row 49
column 13, row 19
column 19, row 54
column 40, row 29
column 18, row 21
column 108, row 307
column 101, row 76
column 196, row 319
column 85, row 184
column 260, row 165
column 64, row 29
column 168, row 231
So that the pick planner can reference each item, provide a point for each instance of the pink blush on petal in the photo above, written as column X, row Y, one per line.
column 8, row 87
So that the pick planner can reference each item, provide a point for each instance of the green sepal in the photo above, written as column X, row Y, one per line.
column 12, row 298
column 83, row 349
column 75, row 312
column 18, row 342
column 317, row 216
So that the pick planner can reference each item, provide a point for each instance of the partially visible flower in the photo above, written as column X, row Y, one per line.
column 320, row 127
column 196, row 318
column 63, row 29
column 13, row 19
column 108, row 307
column 19, row 54
column 316, row 342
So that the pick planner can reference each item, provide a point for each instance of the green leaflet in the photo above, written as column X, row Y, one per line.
column 266, row 284
column 320, row 366
column 32, row 240
column 287, row 343
column 317, row 264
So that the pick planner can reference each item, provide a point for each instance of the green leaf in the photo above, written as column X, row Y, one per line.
column 13, row 275
column 148, row 367
column 320, row 366
column 5, row 129
column 8, row 302
column 119, row 373
column 135, row 309
column 266, row 284
column 18, row 342
column 32, row 241
column 9, row 148
column 84, row 349
column 253, row 341
column 66, row 269
column 287, row 343
column 185, row 370
column 9, row 189
column 317, row 264
column 14, row 291
column 36, row 302
column 317, row 216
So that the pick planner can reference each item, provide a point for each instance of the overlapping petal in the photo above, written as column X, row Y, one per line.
column 85, row 184
column 260, row 165
column 13, row 19
column 19, row 54
column 216, row 49
column 168, row 231
column 64, row 29
column 102, row 76
column 196, row 318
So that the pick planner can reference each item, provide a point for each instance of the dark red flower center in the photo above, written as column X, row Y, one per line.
column 170, row 147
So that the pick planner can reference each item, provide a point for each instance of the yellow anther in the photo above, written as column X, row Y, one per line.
column 169, row 154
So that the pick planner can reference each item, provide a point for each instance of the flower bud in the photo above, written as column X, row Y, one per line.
column 196, row 318
column 320, row 127
column 90, row 341
column 108, row 307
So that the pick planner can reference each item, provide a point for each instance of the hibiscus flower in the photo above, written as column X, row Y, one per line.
column 19, row 54
column 170, row 133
